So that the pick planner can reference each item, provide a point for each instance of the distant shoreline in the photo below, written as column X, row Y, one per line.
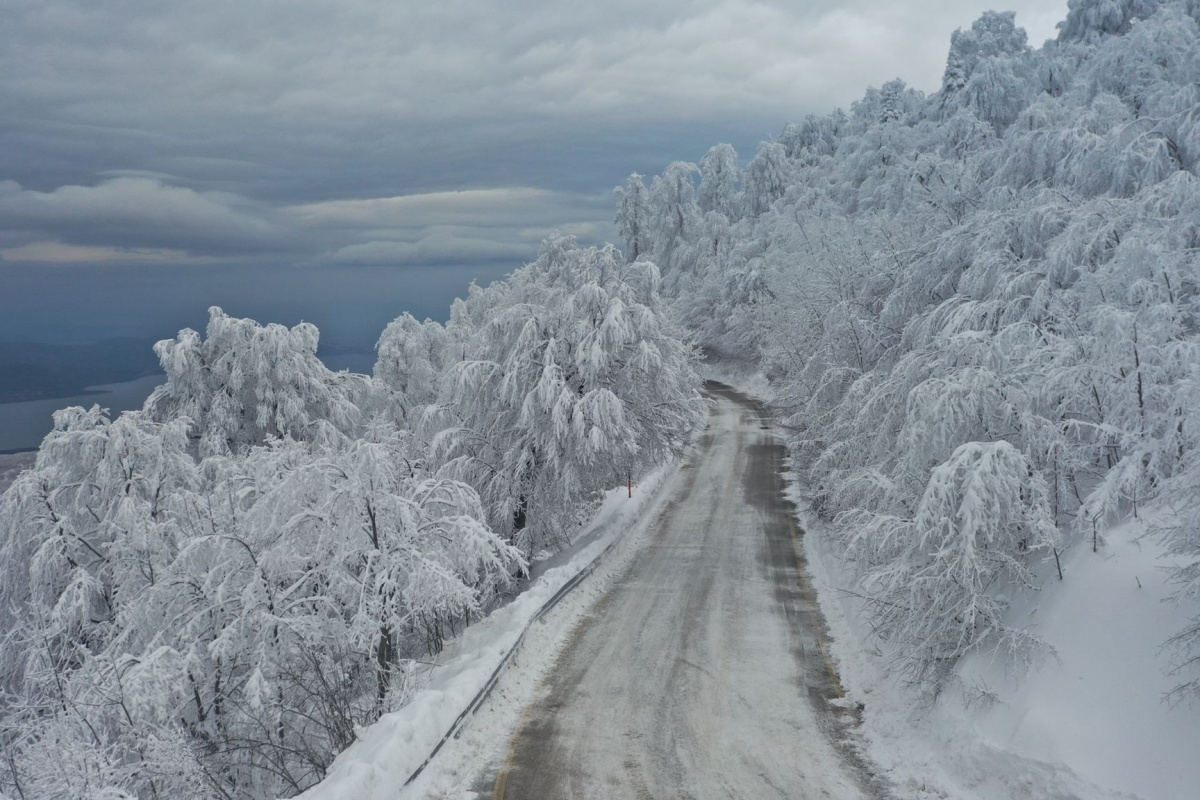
column 33, row 372
column 24, row 425
column 85, row 391
column 55, row 395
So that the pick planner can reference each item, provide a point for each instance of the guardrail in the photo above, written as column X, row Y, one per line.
column 473, row 706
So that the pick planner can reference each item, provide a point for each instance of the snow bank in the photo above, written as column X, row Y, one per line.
column 1099, row 707
column 1092, row 724
column 388, row 752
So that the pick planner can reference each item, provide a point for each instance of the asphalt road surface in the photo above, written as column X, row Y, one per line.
column 702, row 672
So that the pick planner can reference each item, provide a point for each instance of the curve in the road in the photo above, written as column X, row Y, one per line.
column 702, row 672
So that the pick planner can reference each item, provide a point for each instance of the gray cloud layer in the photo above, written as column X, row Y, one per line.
column 403, row 133
column 141, row 210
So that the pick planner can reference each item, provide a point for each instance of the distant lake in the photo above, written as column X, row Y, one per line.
column 24, row 425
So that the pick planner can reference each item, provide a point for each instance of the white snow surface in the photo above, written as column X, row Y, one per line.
column 1099, row 706
column 389, row 751
column 1091, row 723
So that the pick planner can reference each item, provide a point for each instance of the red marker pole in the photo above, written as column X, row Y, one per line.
column 630, row 474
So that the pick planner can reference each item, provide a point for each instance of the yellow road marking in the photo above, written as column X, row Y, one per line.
column 837, row 682
column 502, row 776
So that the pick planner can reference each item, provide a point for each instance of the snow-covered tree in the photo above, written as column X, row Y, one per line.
column 676, row 216
column 1007, row 264
column 1087, row 20
column 767, row 177
column 939, row 576
column 994, row 34
column 245, row 382
column 720, row 176
column 634, row 218
column 577, row 379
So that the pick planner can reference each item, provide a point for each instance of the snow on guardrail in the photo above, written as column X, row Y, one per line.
column 393, row 751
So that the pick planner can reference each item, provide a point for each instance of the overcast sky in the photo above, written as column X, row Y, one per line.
column 277, row 156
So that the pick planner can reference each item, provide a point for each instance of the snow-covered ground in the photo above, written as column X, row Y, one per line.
column 927, row 753
column 389, row 751
column 1090, row 723
column 1099, row 707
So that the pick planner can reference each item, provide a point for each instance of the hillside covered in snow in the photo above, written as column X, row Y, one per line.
column 978, row 313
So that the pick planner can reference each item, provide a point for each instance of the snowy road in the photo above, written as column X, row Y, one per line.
column 700, row 673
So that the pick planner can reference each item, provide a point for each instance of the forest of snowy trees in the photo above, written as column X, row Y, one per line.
column 207, row 597
column 979, row 308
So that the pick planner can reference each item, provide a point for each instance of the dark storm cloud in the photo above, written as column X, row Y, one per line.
column 401, row 132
